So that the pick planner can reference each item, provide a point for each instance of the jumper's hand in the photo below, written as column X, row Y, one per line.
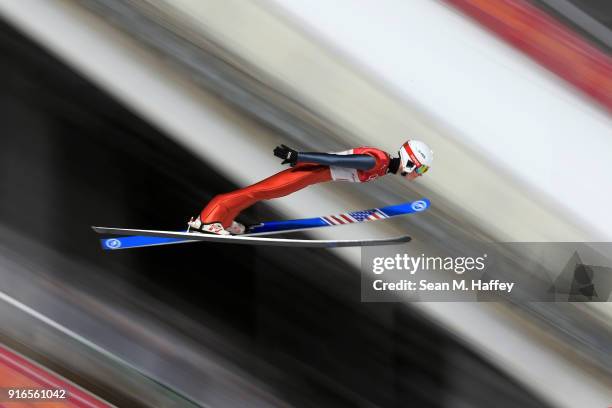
column 287, row 154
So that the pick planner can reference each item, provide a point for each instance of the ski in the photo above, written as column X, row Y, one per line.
column 113, row 243
column 285, row 226
column 374, row 214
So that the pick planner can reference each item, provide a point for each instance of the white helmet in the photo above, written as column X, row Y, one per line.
column 415, row 158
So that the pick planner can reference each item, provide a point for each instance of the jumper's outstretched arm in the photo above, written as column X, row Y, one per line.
column 352, row 161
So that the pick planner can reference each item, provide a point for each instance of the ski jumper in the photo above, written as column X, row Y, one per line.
column 224, row 208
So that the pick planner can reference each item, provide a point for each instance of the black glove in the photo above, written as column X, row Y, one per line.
column 287, row 154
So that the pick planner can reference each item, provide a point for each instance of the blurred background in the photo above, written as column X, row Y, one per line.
column 135, row 113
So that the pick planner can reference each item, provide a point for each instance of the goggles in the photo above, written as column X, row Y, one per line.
column 420, row 170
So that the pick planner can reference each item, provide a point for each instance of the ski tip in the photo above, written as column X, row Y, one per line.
column 401, row 239
column 98, row 230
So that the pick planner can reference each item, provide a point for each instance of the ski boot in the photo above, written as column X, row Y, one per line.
column 196, row 226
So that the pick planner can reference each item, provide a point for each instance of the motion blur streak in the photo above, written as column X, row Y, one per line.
column 18, row 372
column 547, row 41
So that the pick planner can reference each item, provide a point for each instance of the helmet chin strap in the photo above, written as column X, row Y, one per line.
column 394, row 165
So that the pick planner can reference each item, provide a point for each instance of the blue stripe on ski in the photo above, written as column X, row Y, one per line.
column 271, row 227
column 287, row 225
column 137, row 241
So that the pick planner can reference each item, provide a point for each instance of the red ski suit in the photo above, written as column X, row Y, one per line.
column 224, row 208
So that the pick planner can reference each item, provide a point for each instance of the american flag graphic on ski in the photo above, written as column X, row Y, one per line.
column 356, row 216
